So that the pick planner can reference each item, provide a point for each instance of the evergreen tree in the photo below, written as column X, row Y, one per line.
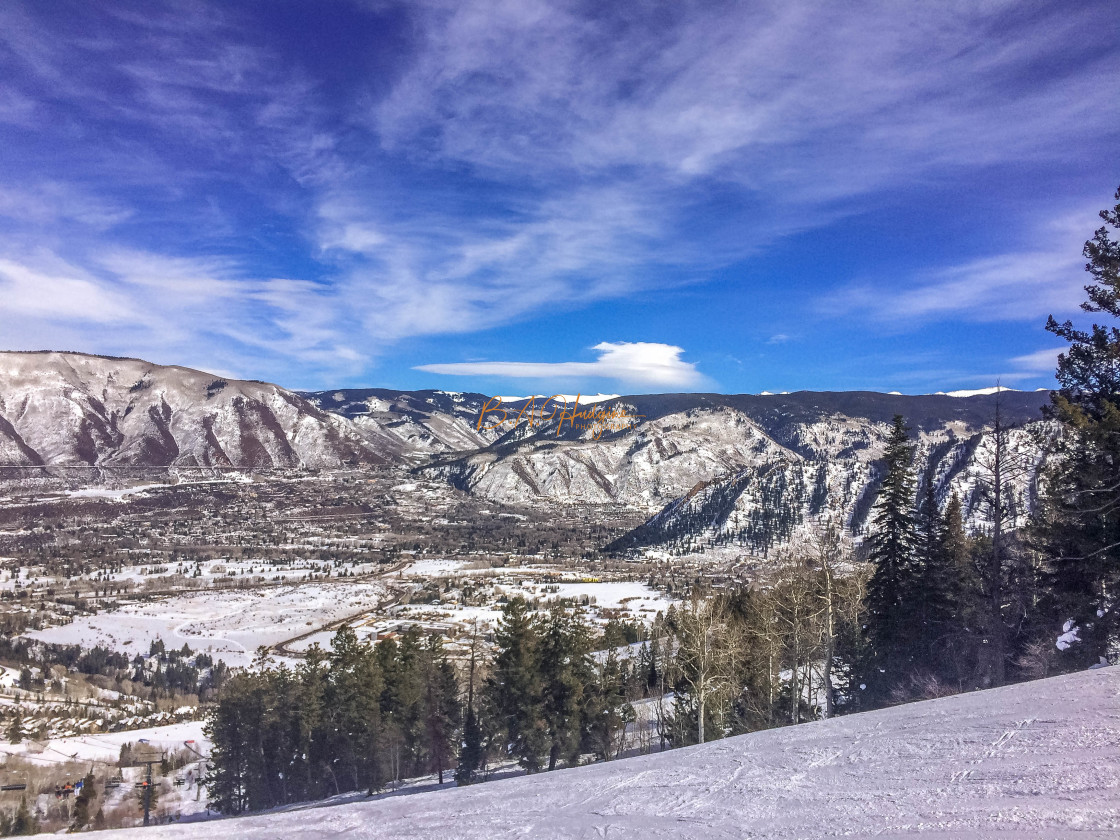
column 402, row 705
column 960, row 657
column 441, row 707
column 229, row 727
column 471, row 750
column 891, row 592
column 353, row 711
column 566, row 670
column 470, row 754
column 1077, row 528
column 935, row 581
column 307, row 724
column 606, row 711
column 515, row 686
column 24, row 823
column 15, row 728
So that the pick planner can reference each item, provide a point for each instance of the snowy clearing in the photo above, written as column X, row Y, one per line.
column 106, row 747
column 1035, row 760
column 230, row 625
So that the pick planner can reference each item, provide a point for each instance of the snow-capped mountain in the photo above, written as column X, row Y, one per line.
column 420, row 423
column 754, row 470
column 768, row 504
column 74, row 409
column 743, row 470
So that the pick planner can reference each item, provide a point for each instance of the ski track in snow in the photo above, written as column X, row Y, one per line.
column 1039, row 760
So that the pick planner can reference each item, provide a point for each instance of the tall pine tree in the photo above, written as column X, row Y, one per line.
column 892, row 628
column 441, row 707
column 515, row 686
column 566, row 671
column 471, row 751
column 1077, row 529
column 935, row 581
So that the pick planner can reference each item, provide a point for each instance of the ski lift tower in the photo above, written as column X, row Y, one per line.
column 147, row 755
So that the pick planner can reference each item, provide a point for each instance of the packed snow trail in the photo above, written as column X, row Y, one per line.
column 1039, row 760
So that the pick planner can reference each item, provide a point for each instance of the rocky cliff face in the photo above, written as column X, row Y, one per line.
column 757, row 472
column 74, row 409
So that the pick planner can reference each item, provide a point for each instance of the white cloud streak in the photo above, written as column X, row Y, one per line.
column 824, row 101
column 1014, row 286
column 639, row 363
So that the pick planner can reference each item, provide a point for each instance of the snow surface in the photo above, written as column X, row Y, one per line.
column 1040, row 760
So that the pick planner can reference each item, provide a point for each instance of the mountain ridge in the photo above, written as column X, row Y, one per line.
column 744, row 471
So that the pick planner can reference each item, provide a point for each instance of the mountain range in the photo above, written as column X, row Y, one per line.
column 709, row 469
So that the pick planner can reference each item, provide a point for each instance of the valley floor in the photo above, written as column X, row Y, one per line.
column 1039, row 760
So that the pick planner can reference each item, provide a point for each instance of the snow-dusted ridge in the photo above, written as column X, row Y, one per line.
column 83, row 416
column 73, row 410
column 1038, row 760
column 979, row 392
column 584, row 399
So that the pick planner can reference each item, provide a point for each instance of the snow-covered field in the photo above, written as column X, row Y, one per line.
column 230, row 625
column 1040, row 760
column 634, row 596
column 106, row 747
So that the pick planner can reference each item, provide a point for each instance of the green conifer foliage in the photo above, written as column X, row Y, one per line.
column 892, row 625
column 1077, row 529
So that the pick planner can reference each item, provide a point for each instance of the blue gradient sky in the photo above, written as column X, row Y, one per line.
column 606, row 197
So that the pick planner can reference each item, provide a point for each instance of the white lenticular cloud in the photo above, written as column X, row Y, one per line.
column 640, row 362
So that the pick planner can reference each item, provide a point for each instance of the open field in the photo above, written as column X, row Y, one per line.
column 228, row 625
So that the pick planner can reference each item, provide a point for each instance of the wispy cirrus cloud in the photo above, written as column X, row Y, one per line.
column 1021, row 285
column 641, row 363
column 1040, row 361
column 197, row 311
column 732, row 89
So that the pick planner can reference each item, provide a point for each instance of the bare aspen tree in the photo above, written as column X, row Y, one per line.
column 797, row 612
column 828, row 550
column 707, row 649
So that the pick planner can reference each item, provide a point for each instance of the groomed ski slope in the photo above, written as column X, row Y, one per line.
column 1040, row 760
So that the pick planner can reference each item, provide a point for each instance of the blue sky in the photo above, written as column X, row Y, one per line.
column 520, row 196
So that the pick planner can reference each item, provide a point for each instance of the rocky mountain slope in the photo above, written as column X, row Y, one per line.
column 422, row 422
column 75, row 409
column 753, row 471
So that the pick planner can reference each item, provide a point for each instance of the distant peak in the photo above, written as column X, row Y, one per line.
column 980, row 392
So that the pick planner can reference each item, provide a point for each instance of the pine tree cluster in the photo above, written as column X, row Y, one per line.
column 356, row 718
